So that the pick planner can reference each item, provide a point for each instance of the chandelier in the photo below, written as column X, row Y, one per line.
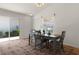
column 39, row 4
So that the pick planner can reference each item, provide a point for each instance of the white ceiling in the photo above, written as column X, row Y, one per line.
column 26, row 8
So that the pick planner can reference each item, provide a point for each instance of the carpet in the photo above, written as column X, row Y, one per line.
column 21, row 47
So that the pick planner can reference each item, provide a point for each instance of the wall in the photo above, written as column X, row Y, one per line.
column 67, row 18
column 38, row 18
column 25, row 26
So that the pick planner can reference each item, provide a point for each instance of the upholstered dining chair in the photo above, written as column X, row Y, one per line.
column 59, row 42
column 32, row 37
column 36, row 40
column 40, row 41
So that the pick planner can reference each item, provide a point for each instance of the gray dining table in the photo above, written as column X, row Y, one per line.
column 52, row 37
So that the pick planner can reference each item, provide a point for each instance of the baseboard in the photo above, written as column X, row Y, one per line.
column 72, row 45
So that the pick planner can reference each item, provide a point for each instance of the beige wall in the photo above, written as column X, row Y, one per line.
column 25, row 26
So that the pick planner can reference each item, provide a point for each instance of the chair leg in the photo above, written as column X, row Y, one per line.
column 35, row 43
column 47, row 44
column 62, row 47
column 61, row 50
column 29, row 39
column 41, row 45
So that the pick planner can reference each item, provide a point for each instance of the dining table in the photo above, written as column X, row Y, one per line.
column 52, row 37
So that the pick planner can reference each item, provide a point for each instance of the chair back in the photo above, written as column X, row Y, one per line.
column 38, row 32
column 62, row 36
column 37, row 36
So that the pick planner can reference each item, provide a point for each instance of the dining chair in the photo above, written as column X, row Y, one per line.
column 59, row 43
column 34, row 36
column 31, row 36
column 40, row 41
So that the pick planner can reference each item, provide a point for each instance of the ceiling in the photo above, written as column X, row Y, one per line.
column 25, row 8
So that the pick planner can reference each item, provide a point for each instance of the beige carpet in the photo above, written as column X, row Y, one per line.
column 21, row 47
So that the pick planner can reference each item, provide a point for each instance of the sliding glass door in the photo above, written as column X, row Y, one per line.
column 9, row 28
column 14, row 28
column 4, row 28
